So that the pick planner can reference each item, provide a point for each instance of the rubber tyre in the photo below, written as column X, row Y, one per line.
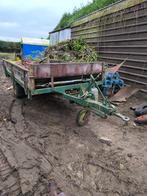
column 141, row 110
column 19, row 91
column 83, row 117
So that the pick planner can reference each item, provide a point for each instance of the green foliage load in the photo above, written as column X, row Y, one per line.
column 69, row 18
column 72, row 51
column 9, row 46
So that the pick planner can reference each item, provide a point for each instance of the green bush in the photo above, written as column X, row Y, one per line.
column 68, row 18
column 9, row 46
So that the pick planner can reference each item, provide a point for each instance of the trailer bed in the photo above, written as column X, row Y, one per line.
column 35, row 75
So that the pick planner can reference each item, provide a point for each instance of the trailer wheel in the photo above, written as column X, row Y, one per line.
column 83, row 117
column 18, row 91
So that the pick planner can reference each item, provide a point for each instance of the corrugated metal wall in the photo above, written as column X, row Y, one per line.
column 60, row 36
column 119, row 32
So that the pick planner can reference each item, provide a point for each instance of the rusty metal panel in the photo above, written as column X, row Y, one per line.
column 119, row 32
column 16, row 71
column 65, row 69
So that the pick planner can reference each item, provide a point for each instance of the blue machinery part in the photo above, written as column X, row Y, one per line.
column 112, row 83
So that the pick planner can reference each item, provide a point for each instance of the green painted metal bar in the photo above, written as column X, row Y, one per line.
column 61, row 89
column 99, row 108
column 102, row 109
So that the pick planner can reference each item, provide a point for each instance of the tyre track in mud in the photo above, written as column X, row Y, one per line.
column 15, row 108
column 56, row 149
column 9, row 180
column 88, row 136
column 18, row 127
column 9, row 183
column 65, row 181
column 55, row 172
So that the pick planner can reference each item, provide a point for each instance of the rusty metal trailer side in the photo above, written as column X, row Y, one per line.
column 49, row 73
column 16, row 72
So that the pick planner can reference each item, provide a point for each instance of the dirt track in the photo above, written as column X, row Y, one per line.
column 39, row 141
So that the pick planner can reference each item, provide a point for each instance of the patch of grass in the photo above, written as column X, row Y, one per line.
column 8, row 56
column 69, row 18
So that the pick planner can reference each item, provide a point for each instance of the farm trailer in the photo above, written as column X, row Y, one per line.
column 77, row 82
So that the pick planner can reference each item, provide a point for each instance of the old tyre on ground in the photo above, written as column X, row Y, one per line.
column 141, row 110
column 18, row 91
column 83, row 117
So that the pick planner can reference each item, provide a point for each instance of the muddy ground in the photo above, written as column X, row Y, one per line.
column 40, row 141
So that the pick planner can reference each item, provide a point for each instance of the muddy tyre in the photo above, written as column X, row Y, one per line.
column 83, row 117
column 18, row 91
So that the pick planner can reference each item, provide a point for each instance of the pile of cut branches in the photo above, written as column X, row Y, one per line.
column 72, row 51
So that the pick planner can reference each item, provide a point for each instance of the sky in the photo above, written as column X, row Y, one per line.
column 32, row 18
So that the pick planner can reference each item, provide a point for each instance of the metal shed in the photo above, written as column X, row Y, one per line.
column 60, row 36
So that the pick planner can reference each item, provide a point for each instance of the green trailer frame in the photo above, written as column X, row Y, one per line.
column 85, row 92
